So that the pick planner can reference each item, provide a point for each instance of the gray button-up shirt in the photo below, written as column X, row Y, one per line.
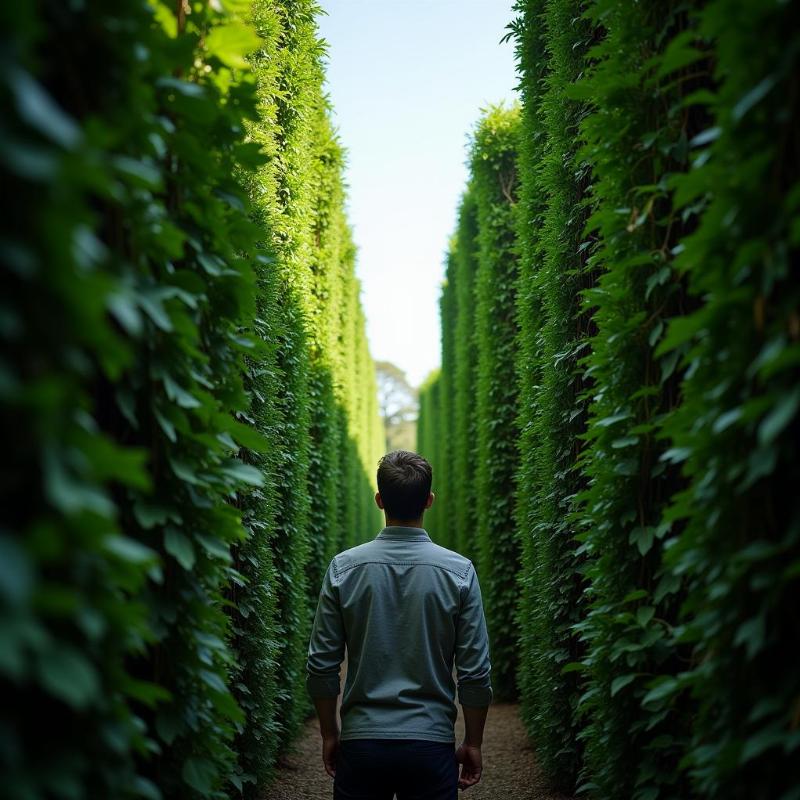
column 406, row 608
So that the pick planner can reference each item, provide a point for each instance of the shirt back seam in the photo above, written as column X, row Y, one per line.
column 406, row 563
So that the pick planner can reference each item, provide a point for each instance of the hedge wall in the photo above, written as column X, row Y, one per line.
column 446, row 411
column 465, row 254
column 647, row 98
column 551, row 415
column 428, row 444
column 495, row 184
column 173, row 389
column 655, row 371
column 468, row 408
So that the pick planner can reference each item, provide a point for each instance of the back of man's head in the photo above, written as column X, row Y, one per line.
column 404, row 481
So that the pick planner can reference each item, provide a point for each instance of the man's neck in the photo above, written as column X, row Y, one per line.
column 414, row 523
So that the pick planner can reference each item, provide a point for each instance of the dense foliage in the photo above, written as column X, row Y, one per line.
column 187, row 392
column 487, row 259
column 464, row 248
column 552, row 272
column 656, row 373
column 495, row 185
column 429, row 440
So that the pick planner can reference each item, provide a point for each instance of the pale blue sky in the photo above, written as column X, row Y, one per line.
column 407, row 79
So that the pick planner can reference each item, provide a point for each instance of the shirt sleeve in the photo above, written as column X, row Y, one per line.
column 473, row 668
column 326, row 647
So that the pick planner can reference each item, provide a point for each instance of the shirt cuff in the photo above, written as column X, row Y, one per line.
column 473, row 695
column 322, row 685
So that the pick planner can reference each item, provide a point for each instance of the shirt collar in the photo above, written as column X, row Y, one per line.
column 405, row 533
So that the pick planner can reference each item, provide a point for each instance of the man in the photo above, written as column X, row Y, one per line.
column 406, row 609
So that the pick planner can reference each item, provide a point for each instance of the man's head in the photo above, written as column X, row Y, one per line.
column 404, row 486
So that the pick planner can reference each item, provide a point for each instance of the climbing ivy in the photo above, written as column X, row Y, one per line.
column 446, row 498
column 464, row 254
column 173, row 391
column 468, row 416
column 551, row 42
column 495, row 184
column 428, row 442
column 316, row 394
column 676, row 454
column 736, row 522
column 655, row 372
column 128, row 261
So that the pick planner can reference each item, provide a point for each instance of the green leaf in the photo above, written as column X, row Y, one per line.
column 146, row 692
column 680, row 53
column 179, row 395
column 130, row 550
column 751, row 633
column 780, row 416
column 664, row 687
column 180, row 547
column 727, row 419
column 642, row 537
column 67, row 674
column 148, row 515
column 243, row 473
column 755, row 95
column 169, row 723
column 644, row 614
column 165, row 424
column 16, row 572
column 199, row 774
column 185, row 471
column 621, row 682
column 38, row 109
column 214, row 546
column 765, row 739
column 612, row 419
column 231, row 43
column 245, row 435
column 146, row 789
column 213, row 679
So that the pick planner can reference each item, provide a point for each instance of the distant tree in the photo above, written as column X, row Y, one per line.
column 399, row 402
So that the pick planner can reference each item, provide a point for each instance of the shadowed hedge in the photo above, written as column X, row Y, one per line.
column 654, row 382
column 468, row 409
column 174, row 390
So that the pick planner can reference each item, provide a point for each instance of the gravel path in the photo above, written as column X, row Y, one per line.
column 510, row 771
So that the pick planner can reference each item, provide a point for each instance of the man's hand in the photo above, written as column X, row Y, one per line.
column 471, row 762
column 330, row 747
column 329, row 728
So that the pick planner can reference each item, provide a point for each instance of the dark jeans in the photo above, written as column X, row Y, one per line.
column 416, row 769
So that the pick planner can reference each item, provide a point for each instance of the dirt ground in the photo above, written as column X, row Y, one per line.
column 510, row 771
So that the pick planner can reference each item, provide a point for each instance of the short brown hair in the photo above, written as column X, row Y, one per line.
column 404, row 482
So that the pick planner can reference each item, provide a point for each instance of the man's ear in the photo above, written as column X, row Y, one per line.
column 429, row 502
column 378, row 500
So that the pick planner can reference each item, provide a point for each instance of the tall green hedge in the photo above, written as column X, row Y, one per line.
column 468, row 407
column 651, row 124
column 317, row 396
column 630, row 603
column 174, row 392
column 657, row 396
column 495, row 182
column 446, row 443
column 128, row 256
column 736, row 522
column 428, row 444
column 463, row 463
column 551, row 43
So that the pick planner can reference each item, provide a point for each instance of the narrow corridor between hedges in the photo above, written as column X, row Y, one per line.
column 510, row 767
column 219, row 312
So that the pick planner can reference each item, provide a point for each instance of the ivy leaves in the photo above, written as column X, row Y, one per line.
column 684, row 520
column 131, row 301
